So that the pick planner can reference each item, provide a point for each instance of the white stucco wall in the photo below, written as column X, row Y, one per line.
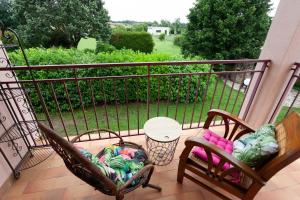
column 158, row 30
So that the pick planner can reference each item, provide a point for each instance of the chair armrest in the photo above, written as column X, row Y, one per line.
column 224, row 157
column 75, row 139
column 226, row 116
column 140, row 173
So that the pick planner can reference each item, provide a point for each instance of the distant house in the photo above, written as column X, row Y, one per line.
column 158, row 30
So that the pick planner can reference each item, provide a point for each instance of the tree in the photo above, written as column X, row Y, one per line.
column 229, row 29
column 177, row 26
column 61, row 23
column 140, row 27
column 119, row 28
column 155, row 23
column 6, row 13
column 165, row 23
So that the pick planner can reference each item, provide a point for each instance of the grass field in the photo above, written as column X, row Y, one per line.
column 166, row 46
column 184, row 113
column 87, row 43
column 283, row 111
column 119, row 119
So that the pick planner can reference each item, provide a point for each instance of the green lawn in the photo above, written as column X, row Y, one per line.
column 129, row 120
column 87, row 43
column 283, row 112
column 166, row 46
column 217, row 102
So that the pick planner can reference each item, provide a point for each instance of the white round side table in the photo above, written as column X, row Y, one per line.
column 162, row 136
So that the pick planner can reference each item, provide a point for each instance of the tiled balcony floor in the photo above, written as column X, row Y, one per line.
column 51, row 180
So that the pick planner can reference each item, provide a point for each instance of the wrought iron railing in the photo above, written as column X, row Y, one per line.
column 76, row 98
column 121, row 96
column 290, row 99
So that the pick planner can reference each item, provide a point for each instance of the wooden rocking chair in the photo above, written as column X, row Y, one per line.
column 81, row 167
column 215, row 179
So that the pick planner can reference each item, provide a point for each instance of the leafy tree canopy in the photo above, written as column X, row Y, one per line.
column 6, row 13
column 61, row 22
column 230, row 29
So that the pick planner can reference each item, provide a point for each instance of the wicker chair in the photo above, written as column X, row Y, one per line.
column 215, row 179
column 81, row 167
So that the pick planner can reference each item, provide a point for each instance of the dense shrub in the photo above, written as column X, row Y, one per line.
column 137, row 41
column 178, row 40
column 162, row 37
column 106, row 89
column 104, row 47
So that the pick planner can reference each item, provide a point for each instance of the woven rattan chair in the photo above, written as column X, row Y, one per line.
column 215, row 179
column 81, row 167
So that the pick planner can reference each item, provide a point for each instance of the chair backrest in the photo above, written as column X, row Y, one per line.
column 79, row 165
column 288, row 137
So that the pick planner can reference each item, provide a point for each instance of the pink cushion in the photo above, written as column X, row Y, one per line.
column 220, row 142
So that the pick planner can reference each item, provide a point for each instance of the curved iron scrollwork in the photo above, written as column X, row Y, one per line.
column 11, row 36
column 9, row 74
column 15, row 147
column 25, row 109
column 4, row 62
column 2, row 118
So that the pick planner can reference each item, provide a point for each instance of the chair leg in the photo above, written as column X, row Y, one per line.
column 156, row 187
column 147, row 184
column 180, row 172
column 149, row 177
column 120, row 196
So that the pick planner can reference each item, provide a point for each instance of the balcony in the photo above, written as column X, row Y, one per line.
column 52, row 180
column 74, row 102
column 74, row 99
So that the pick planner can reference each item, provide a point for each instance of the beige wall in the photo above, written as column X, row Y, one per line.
column 5, row 171
column 282, row 46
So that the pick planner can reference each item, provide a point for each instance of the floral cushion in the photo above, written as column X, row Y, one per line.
column 254, row 148
column 117, row 163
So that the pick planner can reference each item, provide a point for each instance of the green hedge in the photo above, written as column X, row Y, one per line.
column 137, row 41
column 168, row 86
column 104, row 47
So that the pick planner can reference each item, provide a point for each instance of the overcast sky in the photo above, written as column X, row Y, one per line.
column 151, row 10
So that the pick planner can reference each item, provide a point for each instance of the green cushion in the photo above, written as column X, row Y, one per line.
column 254, row 148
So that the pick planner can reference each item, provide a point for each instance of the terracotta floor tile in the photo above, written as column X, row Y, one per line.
column 278, row 195
column 56, row 194
column 269, row 186
column 54, row 173
column 52, row 180
column 296, row 175
column 295, row 189
column 54, row 183
column 283, row 180
column 17, row 189
column 80, row 192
